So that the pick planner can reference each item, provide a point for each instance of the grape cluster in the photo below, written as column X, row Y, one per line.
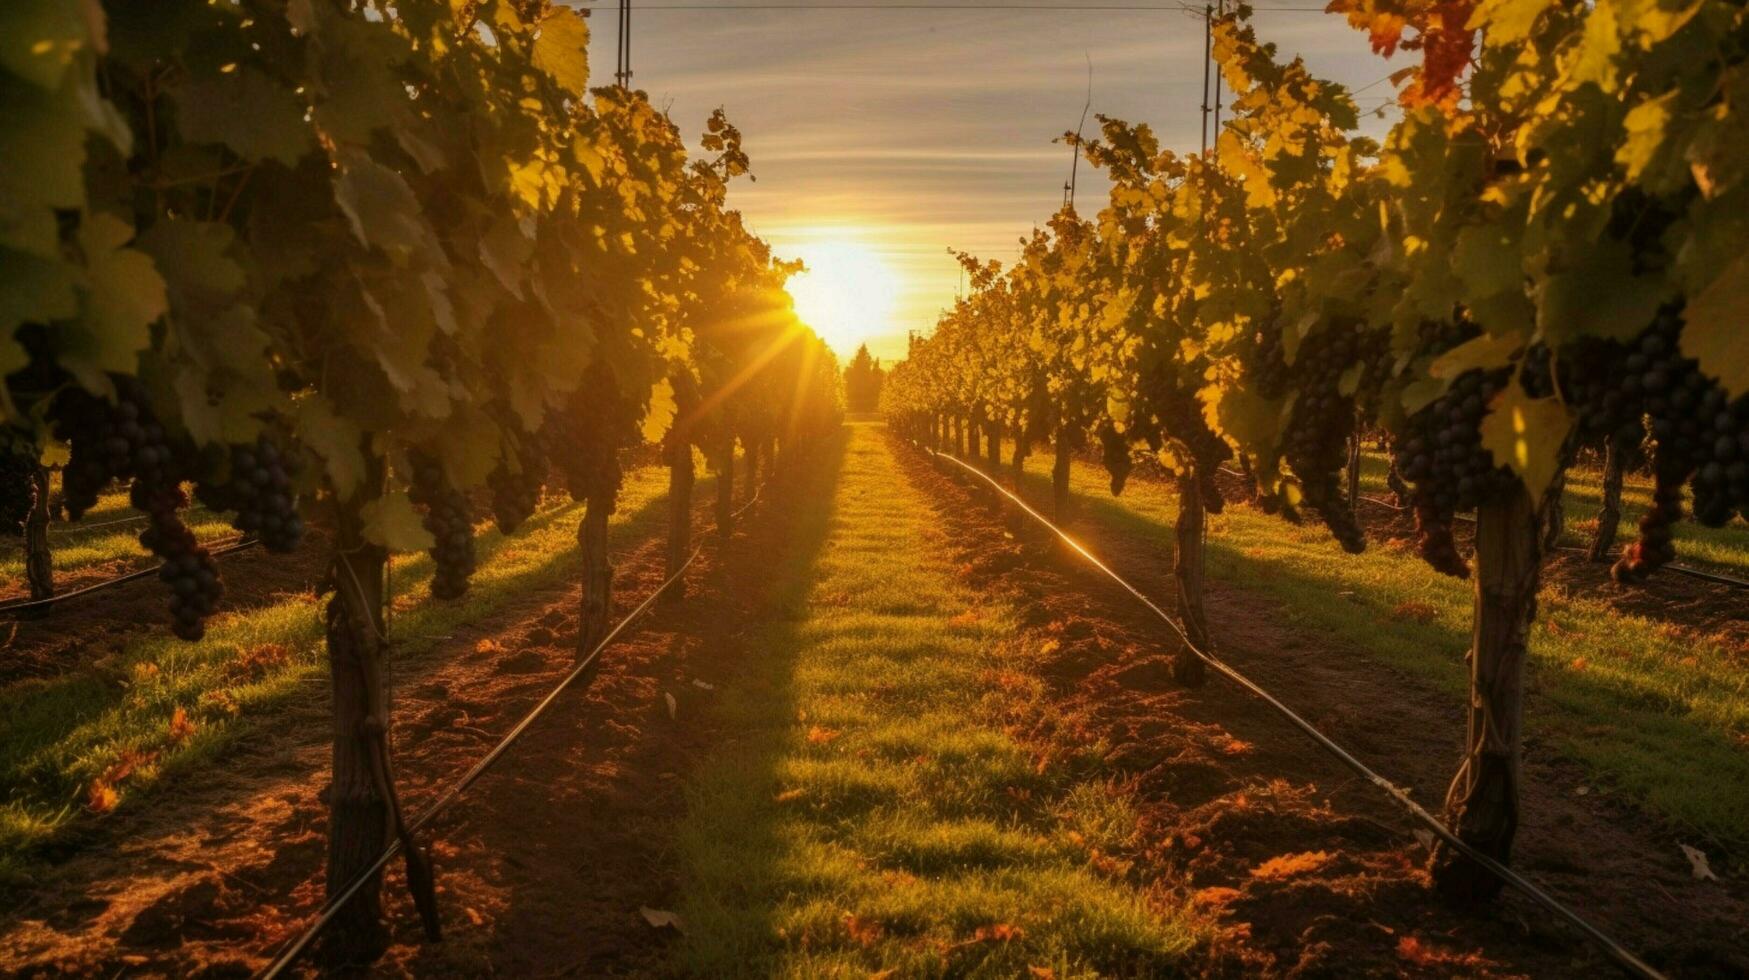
column 17, row 490
column 450, row 520
column 516, row 484
column 1699, row 434
column 1315, row 442
column 1180, row 415
column 111, row 442
column 254, row 480
column 1442, row 457
column 188, row 568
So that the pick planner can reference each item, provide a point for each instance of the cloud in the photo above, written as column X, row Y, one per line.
column 915, row 130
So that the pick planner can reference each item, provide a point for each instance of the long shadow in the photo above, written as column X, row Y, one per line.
column 758, row 707
column 1654, row 748
column 38, row 719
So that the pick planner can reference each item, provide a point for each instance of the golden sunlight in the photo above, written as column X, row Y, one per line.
column 847, row 293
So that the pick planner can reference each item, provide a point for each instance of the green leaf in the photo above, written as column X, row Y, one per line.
column 1484, row 352
column 40, row 38
column 334, row 438
column 1525, row 434
column 34, row 289
column 1599, row 296
column 246, row 111
column 1422, row 392
column 562, row 49
column 1713, row 331
column 124, row 295
column 1486, row 259
column 383, row 210
column 393, row 522
column 42, row 144
column 193, row 257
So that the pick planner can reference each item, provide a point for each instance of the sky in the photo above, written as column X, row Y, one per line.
column 882, row 138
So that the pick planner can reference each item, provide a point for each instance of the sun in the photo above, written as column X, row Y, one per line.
column 847, row 293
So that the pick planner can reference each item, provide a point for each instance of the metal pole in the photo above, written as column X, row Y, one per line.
column 1208, row 46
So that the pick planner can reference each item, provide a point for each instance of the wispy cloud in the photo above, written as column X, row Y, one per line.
column 914, row 130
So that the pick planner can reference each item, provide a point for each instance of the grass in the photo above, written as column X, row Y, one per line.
column 69, row 741
column 1652, row 710
column 84, row 544
column 1726, row 548
column 876, row 815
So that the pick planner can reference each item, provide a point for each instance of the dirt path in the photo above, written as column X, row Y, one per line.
column 1314, row 871
column 212, row 879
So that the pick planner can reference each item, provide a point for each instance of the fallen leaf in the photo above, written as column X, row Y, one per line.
column 1698, row 863
column 662, row 919
column 102, row 797
column 1042, row 972
column 1412, row 949
column 1425, row 837
column 866, row 932
column 673, row 705
column 704, row 685
column 821, row 736
column 181, row 728
column 1288, row 865
column 1216, row 896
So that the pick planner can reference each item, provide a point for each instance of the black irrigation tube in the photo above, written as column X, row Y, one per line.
column 20, row 604
column 1632, row 963
column 290, row 953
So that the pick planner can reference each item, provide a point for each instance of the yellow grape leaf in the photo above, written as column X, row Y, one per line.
column 392, row 521
column 1420, row 393
column 1713, row 332
column 661, row 412
column 1507, row 21
column 1645, row 125
column 1487, row 351
column 1525, row 435
column 562, row 49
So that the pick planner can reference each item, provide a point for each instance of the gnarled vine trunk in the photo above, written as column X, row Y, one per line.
column 994, row 445
column 1482, row 804
column 1060, row 477
column 1609, row 518
column 596, row 604
column 1187, row 576
column 725, row 467
column 1554, row 512
column 39, row 561
column 359, row 823
column 681, row 478
column 1354, row 470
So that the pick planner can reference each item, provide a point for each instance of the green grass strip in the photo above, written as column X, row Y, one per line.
column 871, row 813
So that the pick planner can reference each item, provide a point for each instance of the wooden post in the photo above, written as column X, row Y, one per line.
column 1482, row 804
column 596, row 602
column 1609, row 518
column 680, row 480
column 751, row 485
column 1187, row 575
column 1554, row 513
column 358, row 811
column 725, row 467
column 1060, row 476
column 39, row 561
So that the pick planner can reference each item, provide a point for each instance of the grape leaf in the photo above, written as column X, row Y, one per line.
column 43, row 146
column 246, row 111
column 1713, row 330
column 562, row 49
column 1525, row 434
column 661, row 412
column 392, row 521
column 334, row 438
column 40, row 38
column 383, row 210
column 124, row 295
column 34, row 289
column 1484, row 352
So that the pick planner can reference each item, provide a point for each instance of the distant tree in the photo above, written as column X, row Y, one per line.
column 862, row 381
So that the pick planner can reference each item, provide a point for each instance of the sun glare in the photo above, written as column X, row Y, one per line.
column 847, row 294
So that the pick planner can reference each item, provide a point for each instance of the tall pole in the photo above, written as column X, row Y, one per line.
column 1216, row 86
column 623, row 69
column 1208, row 42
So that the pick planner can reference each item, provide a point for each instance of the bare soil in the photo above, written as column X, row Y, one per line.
column 1309, row 870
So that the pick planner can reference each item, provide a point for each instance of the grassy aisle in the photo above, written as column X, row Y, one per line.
column 1659, row 713
column 873, row 813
